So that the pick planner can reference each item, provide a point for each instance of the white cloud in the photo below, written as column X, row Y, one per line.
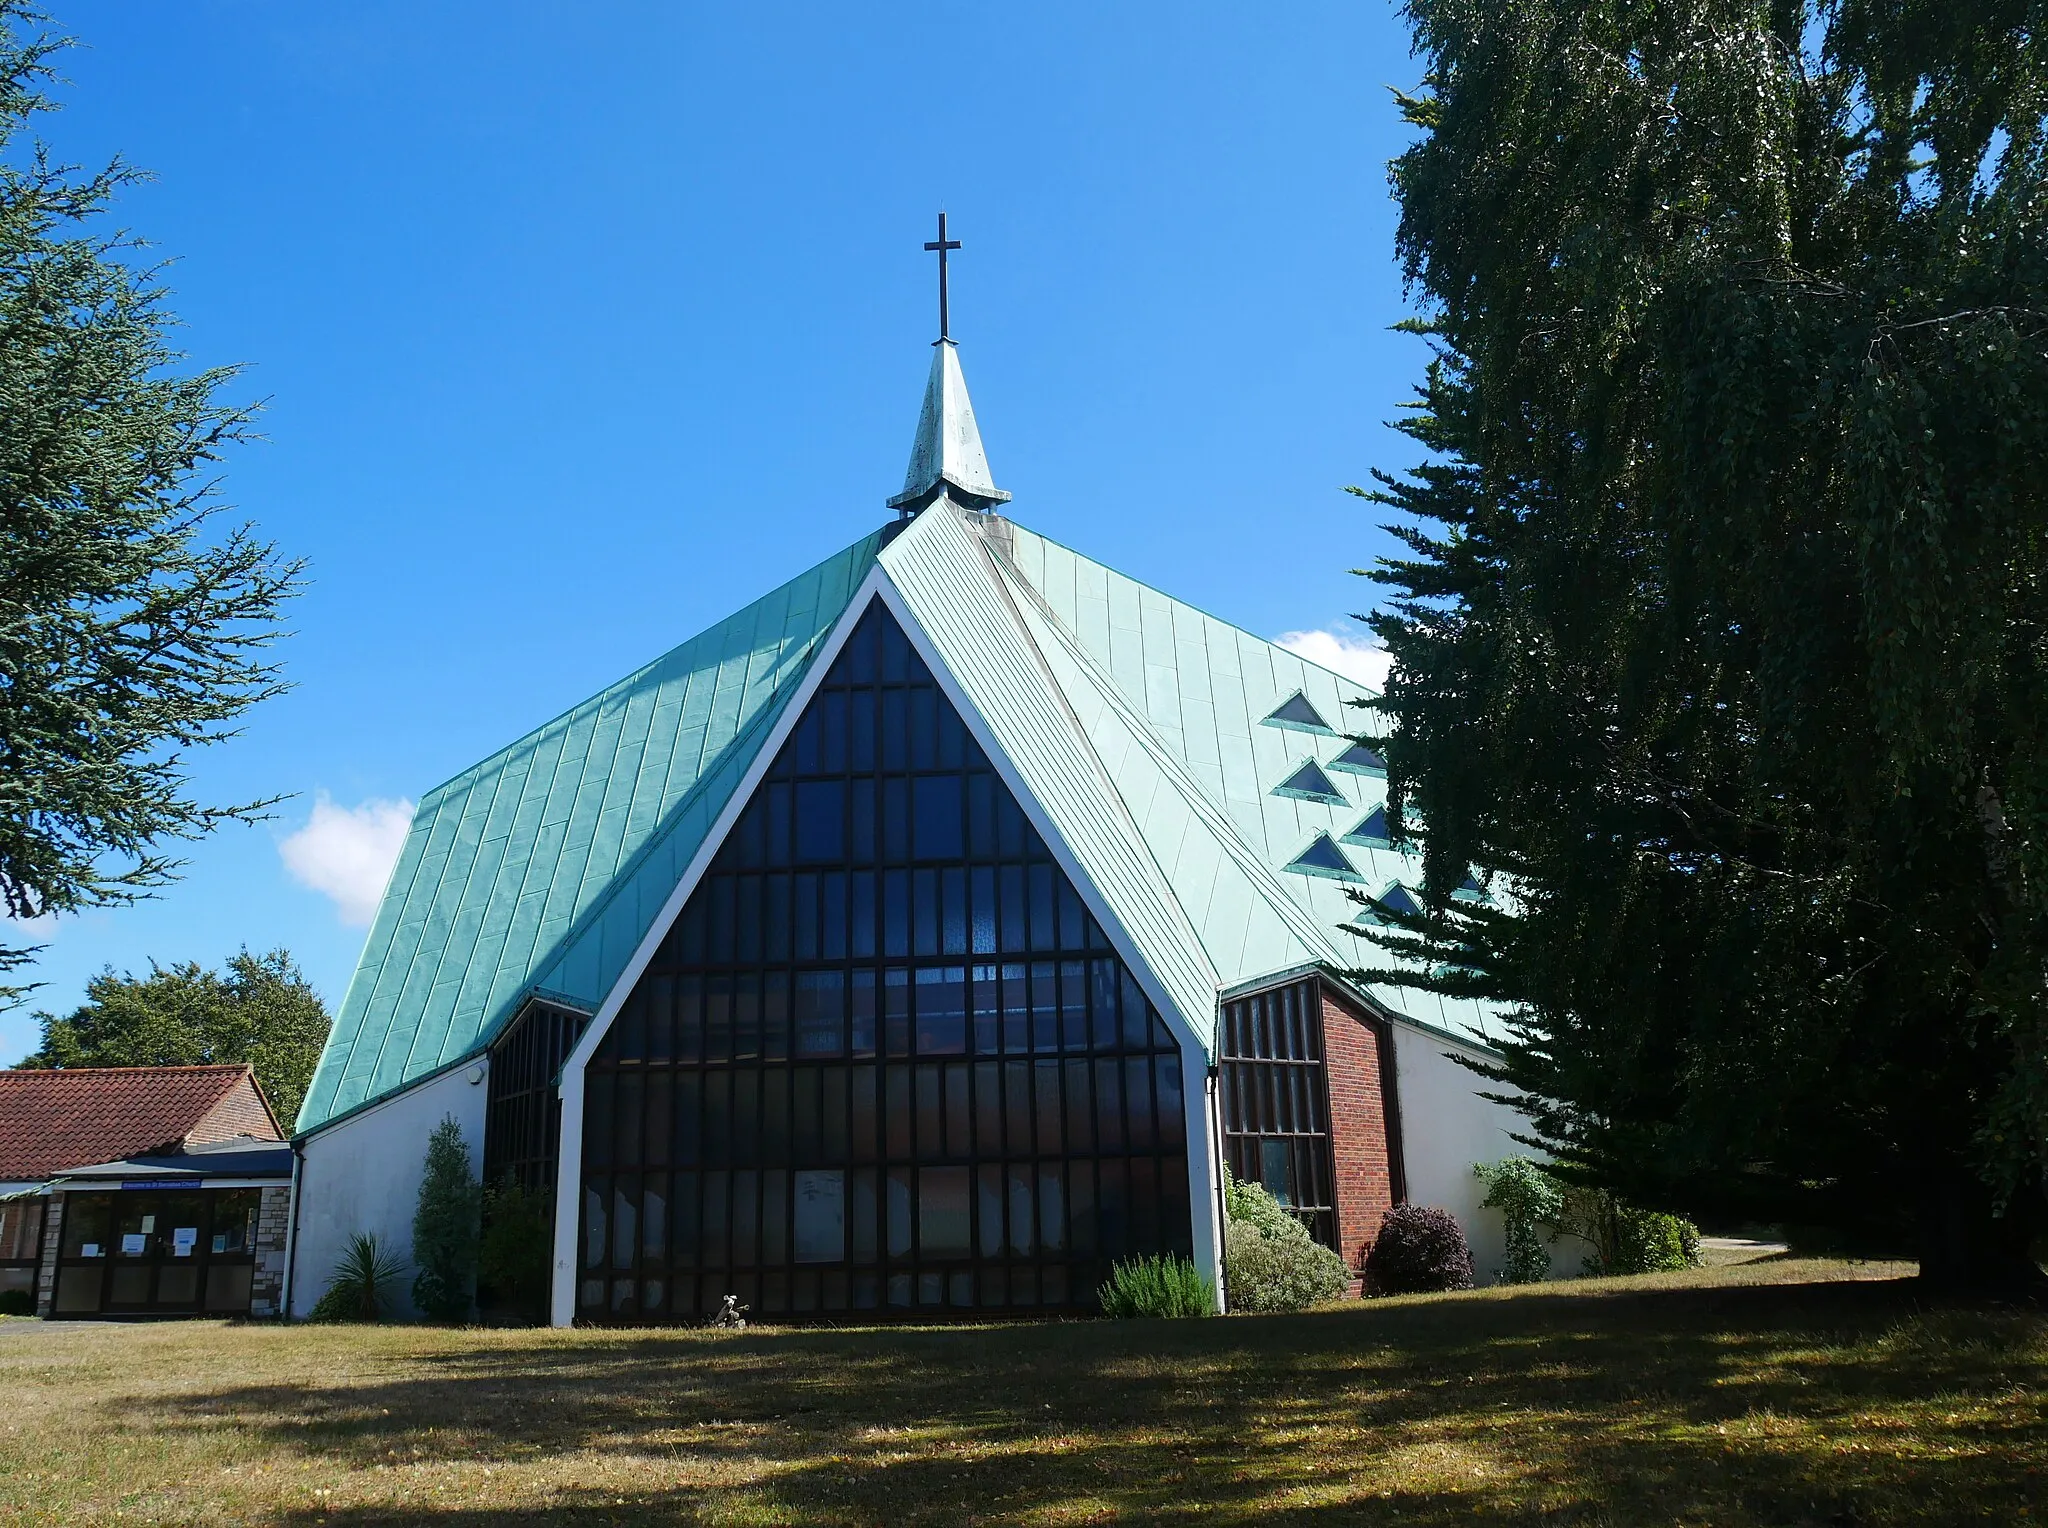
column 346, row 853
column 1355, row 657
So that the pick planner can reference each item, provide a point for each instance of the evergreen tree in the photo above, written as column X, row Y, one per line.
column 128, row 634
column 260, row 1010
column 446, row 1227
column 1723, row 644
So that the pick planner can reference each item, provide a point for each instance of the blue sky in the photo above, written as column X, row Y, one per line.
column 579, row 329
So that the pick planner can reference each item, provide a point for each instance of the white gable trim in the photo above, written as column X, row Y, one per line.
column 569, row 1151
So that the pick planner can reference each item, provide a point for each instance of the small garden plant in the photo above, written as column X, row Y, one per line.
column 1420, row 1249
column 1157, row 1286
column 364, row 1285
column 1270, row 1262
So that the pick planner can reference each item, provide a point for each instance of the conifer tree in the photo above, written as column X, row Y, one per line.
column 446, row 1227
column 1722, row 641
column 130, row 632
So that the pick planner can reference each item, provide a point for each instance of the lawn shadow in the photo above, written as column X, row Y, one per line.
column 1829, row 1403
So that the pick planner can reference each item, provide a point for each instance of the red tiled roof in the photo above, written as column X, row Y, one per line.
column 51, row 1120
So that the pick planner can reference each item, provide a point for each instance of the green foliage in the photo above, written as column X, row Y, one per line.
column 1721, row 641
column 260, row 1010
column 1270, row 1262
column 513, row 1255
column 17, row 1302
column 128, row 634
column 1625, row 1239
column 362, row 1285
column 446, row 1227
column 1420, row 1250
column 1157, row 1286
column 1528, row 1199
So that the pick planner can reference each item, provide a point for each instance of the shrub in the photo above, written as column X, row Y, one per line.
column 513, row 1255
column 1625, row 1239
column 361, row 1288
column 445, row 1227
column 1157, row 1286
column 1528, row 1199
column 1420, row 1249
column 17, row 1302
column 1270, row 1262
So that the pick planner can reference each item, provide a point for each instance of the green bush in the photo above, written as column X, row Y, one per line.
column 1270, row 1262
column 446, row 1226
column 17, row 1302
column 1625, row 1239
column 1528, row 1199
column 513, row 1257
column 1420, row 1249
column 361, row 1288
column 1157, row 1286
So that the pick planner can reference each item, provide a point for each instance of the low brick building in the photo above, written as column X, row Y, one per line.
column 141, row 1191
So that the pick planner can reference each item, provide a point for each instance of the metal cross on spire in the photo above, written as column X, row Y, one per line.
column 942, row 244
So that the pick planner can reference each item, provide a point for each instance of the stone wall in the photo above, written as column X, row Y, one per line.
column 273, row 1222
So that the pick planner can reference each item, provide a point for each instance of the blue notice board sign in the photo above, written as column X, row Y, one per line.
column 133, row 1183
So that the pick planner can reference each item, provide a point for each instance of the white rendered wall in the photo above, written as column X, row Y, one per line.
column 363, row 1174
column 1447, row 1128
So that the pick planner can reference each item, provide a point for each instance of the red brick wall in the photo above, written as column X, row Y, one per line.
column 1360, row 1158
column 241, row 1112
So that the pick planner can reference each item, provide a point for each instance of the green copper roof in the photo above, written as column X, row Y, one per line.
column 541, row 868
column 1170, row 752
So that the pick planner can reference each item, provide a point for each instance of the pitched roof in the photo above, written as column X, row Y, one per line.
column 541, row 867
column 74, row 1117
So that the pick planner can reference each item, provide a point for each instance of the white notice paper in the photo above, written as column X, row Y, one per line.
column 183, row 1240
column 134, row 1244
column 90, row 1249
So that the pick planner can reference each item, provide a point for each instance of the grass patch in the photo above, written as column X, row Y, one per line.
column 1777, row 1391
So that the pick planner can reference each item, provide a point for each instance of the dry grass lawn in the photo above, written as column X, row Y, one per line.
column 1779, row 1392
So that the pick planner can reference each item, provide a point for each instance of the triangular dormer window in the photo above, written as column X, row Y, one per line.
column 1398, row 899
column 1323, row 858
column 1358, row 759
column 1309, row 783
column 1372, row 831
column 1297, row 715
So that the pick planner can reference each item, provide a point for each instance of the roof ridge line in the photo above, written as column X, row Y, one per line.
column 1297, row 918
column 1005, row 580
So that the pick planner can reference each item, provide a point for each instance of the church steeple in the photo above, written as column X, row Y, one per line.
column 946, row 457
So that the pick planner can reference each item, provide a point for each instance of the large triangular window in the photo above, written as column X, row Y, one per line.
column 884, row 1062
column 1309, row 783
column 1323, row 858
column 1297, row 715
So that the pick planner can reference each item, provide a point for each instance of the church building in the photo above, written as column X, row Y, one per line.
column 917, row 941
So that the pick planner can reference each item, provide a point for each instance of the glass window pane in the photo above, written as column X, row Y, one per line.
column 899, row 1211
column 820, row 821
column 821, row 1216
column 820, row 1012
column 943, row 1227
column 942, row 1011
column 939, row 813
